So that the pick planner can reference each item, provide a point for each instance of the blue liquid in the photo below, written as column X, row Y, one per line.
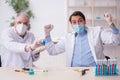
column 110, row 69
column 114, row 68
column 31, row 72
column 96, row 69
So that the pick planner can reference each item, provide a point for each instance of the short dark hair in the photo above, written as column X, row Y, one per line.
column 77, row 13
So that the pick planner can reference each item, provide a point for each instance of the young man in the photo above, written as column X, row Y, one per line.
column 83, row 46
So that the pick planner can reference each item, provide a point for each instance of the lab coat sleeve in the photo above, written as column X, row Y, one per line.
column 55, row 49
column 108, row 37
column 9, row 43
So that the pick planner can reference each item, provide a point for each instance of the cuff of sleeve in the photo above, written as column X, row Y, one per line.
column 115, row 30
column 28, row 48
column 47, row 40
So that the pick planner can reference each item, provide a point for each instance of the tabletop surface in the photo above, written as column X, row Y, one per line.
column 66, row 73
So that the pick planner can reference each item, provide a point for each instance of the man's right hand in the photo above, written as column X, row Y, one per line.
column 48, row 29
column 33, row 46
column 36, row 44
column 39, row 49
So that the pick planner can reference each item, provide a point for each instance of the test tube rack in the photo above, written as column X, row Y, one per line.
column 106, row 68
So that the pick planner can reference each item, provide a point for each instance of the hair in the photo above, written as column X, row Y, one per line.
column 77, row 13
column 22, row 13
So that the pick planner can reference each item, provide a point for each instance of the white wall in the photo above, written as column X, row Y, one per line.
column 46, row 12
column 6, row 13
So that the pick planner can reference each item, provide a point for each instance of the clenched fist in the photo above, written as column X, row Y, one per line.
column 108, row 18
column 48, row 29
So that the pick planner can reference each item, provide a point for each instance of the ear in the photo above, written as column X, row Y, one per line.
column 71, row 25
column 15, row 24
column 29, row 26
column 85, row 22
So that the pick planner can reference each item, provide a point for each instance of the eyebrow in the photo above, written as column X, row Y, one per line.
column 78, row 19
column 22, row 22
column 81, row 18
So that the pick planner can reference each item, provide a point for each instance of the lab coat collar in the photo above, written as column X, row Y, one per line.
column 91, row 43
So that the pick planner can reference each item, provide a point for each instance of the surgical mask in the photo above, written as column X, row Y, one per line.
column 21, row 29
column 78, row 28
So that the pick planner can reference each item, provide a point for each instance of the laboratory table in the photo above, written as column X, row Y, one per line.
column 53, row 73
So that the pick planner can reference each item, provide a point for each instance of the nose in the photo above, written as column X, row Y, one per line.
column 78, row 23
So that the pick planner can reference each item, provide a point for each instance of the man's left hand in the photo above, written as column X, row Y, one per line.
column 108, row 18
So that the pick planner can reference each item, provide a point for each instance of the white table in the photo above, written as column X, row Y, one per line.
column 53, row 74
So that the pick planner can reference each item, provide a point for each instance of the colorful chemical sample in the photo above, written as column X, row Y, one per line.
column 106, row 67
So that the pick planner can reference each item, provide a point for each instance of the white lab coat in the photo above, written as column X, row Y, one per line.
column 12, row 49
column 96, row 37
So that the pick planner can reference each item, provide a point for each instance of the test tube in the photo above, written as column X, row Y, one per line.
column 110, row 67
column 101, row 67
column 115, row 64
column 106, row 67
column 97, row 68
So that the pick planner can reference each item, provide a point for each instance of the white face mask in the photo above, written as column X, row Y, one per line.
column 21, row 29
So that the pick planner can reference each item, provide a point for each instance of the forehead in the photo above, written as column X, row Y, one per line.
column 22, row 18
column 76, row 18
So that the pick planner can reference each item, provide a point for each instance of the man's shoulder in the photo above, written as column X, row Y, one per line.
column 7, row 30
column 30, row 33
column 96, row 28
column 70, row 34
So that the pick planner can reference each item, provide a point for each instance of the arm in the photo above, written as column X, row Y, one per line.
column 9, row 43
column 53, row 49
column 110, row 36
